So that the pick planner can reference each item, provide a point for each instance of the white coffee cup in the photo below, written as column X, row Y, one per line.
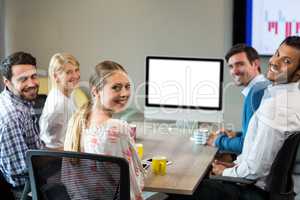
column 201, row 136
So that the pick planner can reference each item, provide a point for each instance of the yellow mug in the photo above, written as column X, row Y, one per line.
column 140, row 150
column 159, row 165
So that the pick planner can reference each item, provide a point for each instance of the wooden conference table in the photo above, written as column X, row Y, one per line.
column 190, row 161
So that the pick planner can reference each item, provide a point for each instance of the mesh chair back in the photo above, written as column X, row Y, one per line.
column 279, row 181
column 70, row 175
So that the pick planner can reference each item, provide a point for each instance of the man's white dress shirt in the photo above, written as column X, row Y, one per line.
column 279, row 112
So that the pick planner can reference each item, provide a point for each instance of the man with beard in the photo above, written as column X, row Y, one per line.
column 244, row 67
column 18, row 125
column 274, row 121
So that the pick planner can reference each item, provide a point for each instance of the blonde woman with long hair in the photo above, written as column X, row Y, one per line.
column 93, row 130
column 59, row 106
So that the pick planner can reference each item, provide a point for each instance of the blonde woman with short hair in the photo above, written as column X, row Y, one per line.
column 64, row 75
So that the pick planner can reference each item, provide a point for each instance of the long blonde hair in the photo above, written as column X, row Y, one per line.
column 57, row 63
column 79, row 120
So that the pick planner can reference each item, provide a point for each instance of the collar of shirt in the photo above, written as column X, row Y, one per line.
column 56, row 97
column 16, row 99
column 60, row 95
column 256, row 79
column 272, row 90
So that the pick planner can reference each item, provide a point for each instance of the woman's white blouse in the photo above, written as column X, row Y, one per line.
column 57, row 111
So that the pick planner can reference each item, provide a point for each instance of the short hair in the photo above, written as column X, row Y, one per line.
column 18, row 58
column 251, row 53
column 57, row 63
column 293, row 41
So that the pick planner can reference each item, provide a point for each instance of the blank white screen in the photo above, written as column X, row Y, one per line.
column 191, row 83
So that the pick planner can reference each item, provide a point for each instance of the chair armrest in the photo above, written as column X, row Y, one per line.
column 233, row 179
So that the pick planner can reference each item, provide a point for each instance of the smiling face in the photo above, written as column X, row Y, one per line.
column 68, row 78
column 24, row 82
column 284, row 65
column 115, row 93
column 241, row 70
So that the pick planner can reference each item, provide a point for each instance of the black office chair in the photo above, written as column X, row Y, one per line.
column 39, row 105
column 72, row 175
column 279, row 181
column 5, row 188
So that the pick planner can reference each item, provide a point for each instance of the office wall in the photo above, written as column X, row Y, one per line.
column 1, row 28
column 2, row 15
column 125, row 31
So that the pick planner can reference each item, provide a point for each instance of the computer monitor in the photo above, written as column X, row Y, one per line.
column 180, row 88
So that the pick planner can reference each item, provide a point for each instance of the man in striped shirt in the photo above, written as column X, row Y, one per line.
column 19, row 129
